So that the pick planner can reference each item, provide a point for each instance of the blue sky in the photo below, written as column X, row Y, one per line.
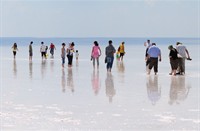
column 100, row 18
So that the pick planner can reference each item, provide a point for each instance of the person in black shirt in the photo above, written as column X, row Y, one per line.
column 173, row 59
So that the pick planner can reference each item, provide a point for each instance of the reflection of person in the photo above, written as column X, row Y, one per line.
column 110, row 50
column 96, row 82
column 52, row 48
column 120, row 66
column 15, row 49
column 30, row 51
column 122, row 50
column 173, row 59
column 30, row 69
column 70, row 82
column 153, row 90
column 43, row 68
column 154, row 54
column 178, row 90
column 15, row 68
column 70, row 51
column 95, row 54
column 182, row 55
column 110, row 90
column 63, row 80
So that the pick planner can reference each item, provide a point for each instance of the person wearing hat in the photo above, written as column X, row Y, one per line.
column 30, row 51
column 182, row 55
column 173, row 60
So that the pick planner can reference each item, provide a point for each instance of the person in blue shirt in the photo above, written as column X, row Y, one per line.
column 154, row 54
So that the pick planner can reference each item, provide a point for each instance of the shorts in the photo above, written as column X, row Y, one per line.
column 121, row 54
column 14, row 53
column 43, row 54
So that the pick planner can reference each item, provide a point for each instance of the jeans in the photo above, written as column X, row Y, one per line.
column 110, row 62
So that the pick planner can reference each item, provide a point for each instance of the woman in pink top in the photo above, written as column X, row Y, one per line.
column 96, row 52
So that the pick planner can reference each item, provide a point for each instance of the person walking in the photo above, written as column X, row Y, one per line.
column 70, row 51
column 148, row 45
column 95, row 54
column 30, row 51
column 109, row 51
column 63, row 53
column 173, row 60
column 43, row 50
column 52, row 48
column 183, row 54
column 15, row 49
column 154, row 54
column 122, row 50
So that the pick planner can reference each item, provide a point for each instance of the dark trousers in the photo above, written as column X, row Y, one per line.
column 181, row 65
column 153, row 64
column 70, row 58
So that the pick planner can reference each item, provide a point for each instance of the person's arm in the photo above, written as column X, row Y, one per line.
column 92, row 51
column 114, row 50
column 99, row 51
column 160, row 56
column 187, row 52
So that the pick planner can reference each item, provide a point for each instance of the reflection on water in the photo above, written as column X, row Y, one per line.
column 52, row 65
column 30, row 69
column 95, row 82
column 63, row 80
column 14, row 68
column 43, row 68
column 178, row 90
column 110, row 90
column 120, row 66
column 153, row 89
column 121, row 70
column 70, row 82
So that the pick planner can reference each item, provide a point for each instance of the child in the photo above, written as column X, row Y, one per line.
column 77, row 54
column 118, row 54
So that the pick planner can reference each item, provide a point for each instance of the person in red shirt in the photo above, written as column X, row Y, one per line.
column 52, row 47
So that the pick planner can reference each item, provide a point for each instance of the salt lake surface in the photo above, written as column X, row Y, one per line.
column 40, row 95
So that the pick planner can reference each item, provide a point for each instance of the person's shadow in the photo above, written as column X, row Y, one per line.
column 110, row 90
column 153, row 89
column 95, row 80
column 178, row 90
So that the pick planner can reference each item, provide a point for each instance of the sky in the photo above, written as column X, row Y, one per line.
column 100, row 18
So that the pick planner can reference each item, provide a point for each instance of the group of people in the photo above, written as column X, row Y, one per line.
column 95, row 54
column 177, row 58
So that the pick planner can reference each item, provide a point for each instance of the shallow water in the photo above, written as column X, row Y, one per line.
column 40, row 95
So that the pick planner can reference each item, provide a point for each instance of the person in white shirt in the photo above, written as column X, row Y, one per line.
column 43, row 50
column 182, row 55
